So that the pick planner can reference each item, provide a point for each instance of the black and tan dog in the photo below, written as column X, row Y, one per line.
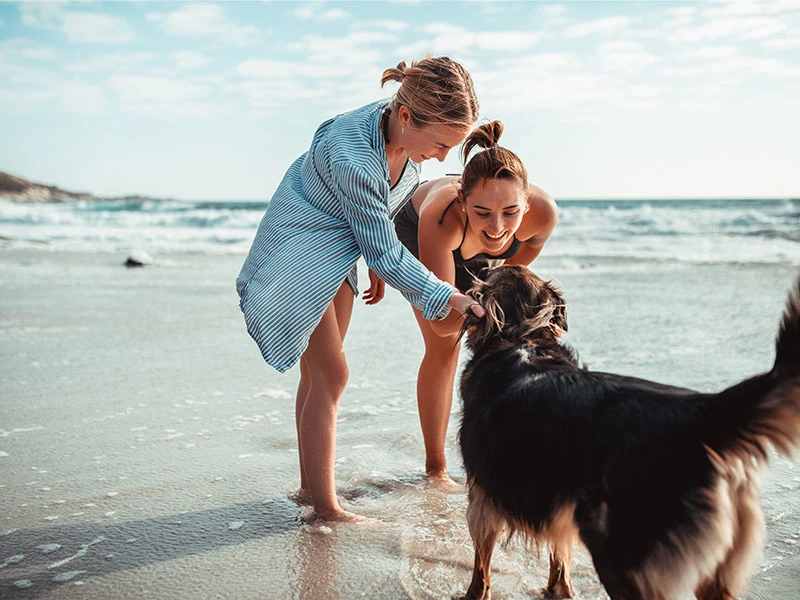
column 660, row 483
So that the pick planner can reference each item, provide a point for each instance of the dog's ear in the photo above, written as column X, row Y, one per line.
column 479, row 330
column 559, row 318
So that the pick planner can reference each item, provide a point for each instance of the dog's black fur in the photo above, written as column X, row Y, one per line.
column 659, row 482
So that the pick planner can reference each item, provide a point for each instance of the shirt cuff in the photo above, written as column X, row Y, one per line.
column 436, row 300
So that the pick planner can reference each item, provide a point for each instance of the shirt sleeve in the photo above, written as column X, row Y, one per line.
column 363, row 201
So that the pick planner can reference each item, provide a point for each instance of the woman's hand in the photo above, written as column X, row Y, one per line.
column 465, row 304
column 462, row 306
column 377, row 288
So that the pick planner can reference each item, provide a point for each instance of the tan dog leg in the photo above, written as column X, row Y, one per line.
column 480, row 587
column 559, row 584
column 485, row 526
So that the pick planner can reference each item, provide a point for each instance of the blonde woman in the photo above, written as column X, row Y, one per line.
column 335, row 204
column 458, row 227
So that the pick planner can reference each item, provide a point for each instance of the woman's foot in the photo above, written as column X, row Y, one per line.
column 442, row 480
column 341, row 516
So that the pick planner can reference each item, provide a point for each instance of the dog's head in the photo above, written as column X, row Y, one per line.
column 520, row 308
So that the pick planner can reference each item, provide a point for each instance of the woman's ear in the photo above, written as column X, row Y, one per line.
column 528, row 194
column 404, row 116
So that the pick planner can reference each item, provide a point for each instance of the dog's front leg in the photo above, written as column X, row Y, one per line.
column 559, row 584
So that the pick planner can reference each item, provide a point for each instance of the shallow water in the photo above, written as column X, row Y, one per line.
column 147, row 451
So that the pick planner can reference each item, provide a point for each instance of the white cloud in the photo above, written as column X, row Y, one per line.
column 145, row 88
column 681, row 11
column 20, row 48
column 679, row 17
column 77, row 26
column 113, row 62
column 276, row 93
column 190, row 60
column 735, row 69
column 554, row 13
column 96, row 28
column 734, row 8
column 383, row 24
column 272, row 84
column 646, row 91
column 446, row 39
column 164, row 97
column 303, row 12
column 41, row 14
column 619, row 46
column 205, row 20
column 258, row 68
column 742, row 27
column 26, row 87
column 685, row 71
column 333, row 14
column 508, row 41
column 335, row 70
column 605, row 25
column 712, row 53
column 563, row 81
column 316, row 12
column 757, row 66
column 629, row 63
column 783, row 43
column 80, row 97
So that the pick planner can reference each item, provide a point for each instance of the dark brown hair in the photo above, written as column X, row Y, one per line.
column 494, row 162
column 436, row 91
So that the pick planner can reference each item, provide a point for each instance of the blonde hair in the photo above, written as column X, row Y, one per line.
column 494, row 162
column 437, row 90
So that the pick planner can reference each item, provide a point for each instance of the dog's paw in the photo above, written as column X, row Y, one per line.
column 476, row 592
column 560, row 589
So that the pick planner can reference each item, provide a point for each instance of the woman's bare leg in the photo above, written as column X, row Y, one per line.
column 303, row 495
column 323, row 375
column 437, row 372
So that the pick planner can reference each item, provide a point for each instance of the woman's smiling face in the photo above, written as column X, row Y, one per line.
column 432, row 141
column 495, row 208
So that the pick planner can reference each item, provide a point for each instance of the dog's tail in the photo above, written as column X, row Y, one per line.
column 765, row 409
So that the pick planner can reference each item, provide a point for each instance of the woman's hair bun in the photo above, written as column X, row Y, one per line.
column 485, row 136
column 398, row 73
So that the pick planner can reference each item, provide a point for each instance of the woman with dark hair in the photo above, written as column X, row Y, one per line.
column 458, row 227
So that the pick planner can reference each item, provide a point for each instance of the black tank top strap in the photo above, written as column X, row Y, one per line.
column 453, row 201
column 457, row 252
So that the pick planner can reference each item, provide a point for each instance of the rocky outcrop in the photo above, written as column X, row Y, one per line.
column 17, row 188
column 22, row 190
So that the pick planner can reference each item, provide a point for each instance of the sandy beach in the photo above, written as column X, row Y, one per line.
column 147, row 451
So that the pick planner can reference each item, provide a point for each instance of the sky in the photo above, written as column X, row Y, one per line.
column 214, row 100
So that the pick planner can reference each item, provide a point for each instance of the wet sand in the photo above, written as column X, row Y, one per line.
column 147, row 451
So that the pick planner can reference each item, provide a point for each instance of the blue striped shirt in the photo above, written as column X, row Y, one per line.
column 332, row 206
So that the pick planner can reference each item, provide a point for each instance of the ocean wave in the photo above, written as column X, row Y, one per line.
column 702, row 230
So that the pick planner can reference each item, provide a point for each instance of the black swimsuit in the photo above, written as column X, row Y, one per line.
column 406, row 224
